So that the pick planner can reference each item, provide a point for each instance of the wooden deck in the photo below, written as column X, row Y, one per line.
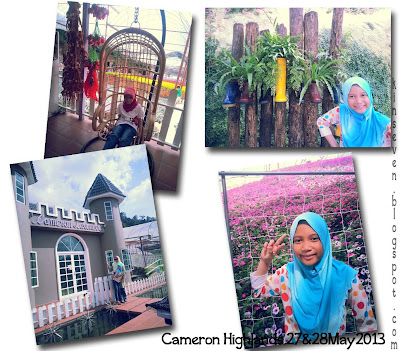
column 147, row 319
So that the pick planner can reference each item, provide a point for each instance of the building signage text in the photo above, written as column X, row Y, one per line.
column 59, row 223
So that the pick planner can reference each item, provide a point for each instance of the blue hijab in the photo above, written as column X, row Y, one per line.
column 361, row 130
column 319, row 292
column 119, row 268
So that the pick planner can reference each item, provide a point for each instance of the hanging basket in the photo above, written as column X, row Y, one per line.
column 98, row 12
column 96, row 39
column 281, row 82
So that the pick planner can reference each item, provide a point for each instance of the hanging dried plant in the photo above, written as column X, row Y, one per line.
column 72, row 80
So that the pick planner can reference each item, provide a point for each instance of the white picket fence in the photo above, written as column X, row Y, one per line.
column 103, row 293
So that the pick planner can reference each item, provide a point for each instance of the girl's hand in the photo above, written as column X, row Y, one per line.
column 271, row 249
column 268, row 252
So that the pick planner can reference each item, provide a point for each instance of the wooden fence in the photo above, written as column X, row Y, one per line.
column 272, row 126
column 103, row 293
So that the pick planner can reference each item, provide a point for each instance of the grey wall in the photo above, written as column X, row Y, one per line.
column 24, row 228
column 44, row 243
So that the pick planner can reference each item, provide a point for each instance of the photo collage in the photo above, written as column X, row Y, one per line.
column 231, row 224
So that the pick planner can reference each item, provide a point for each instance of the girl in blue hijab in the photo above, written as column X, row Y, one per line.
column 359, row 123
column 314, row 287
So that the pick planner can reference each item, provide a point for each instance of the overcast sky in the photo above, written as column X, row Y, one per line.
column 65, row 181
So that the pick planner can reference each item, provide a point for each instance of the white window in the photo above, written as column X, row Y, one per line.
column 72, row 269
column 34, row 270
column 19, row 187
column 126, row 259
column 109, row 259
column 107, row 207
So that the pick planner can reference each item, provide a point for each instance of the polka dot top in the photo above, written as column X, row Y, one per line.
column 332, row 117
column 277, row 284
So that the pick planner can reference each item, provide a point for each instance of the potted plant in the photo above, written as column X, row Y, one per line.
column 316, row 75
column 296, row 71
column 273, row 47
column 247, row 72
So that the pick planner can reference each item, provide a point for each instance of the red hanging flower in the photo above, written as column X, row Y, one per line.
column 95, row 40
column 98, row 12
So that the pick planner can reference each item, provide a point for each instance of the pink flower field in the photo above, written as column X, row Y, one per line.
column 265, row 209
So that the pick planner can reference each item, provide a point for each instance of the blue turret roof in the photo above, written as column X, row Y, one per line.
column 102, row 187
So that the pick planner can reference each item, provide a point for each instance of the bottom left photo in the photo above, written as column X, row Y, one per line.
column 91, row 245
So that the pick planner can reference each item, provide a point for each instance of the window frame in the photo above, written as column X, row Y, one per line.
column 126, row 259
column 36, row 269
column 108, row 261
column 108, row 203
column 17, row 187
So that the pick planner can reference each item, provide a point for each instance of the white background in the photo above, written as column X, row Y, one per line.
column 191, row 221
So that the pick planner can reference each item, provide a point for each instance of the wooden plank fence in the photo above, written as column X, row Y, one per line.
column 103, row 293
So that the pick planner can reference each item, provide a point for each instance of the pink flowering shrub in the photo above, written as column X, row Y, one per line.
column 263, row 210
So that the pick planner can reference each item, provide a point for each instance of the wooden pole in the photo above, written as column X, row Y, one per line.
column 251, row 118
column 280, row 107
column 336, row 32
column 310, row 109
column 334, row 48
column 234, row 112
column 296, row 113
column 266, row 112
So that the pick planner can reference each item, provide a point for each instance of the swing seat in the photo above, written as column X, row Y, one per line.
column 134, row 58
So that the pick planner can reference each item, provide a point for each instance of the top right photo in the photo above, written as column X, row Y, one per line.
column 298, row 77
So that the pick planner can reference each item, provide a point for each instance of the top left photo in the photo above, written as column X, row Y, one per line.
column 118, row 80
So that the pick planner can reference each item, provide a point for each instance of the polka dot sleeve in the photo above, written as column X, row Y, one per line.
column 387, row 136
column 362, row 310
column 269, row 285
column 332, row 117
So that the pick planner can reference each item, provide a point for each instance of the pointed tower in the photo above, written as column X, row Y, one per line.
column 104, row 198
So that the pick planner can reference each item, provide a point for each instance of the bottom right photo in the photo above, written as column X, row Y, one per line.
column 298, row 251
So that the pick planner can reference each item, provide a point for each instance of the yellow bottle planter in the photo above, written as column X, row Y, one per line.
column 338, row 131
column 281, row 83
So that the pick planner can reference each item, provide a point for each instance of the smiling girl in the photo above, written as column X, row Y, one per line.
column 360, row 125
column 315, row 288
